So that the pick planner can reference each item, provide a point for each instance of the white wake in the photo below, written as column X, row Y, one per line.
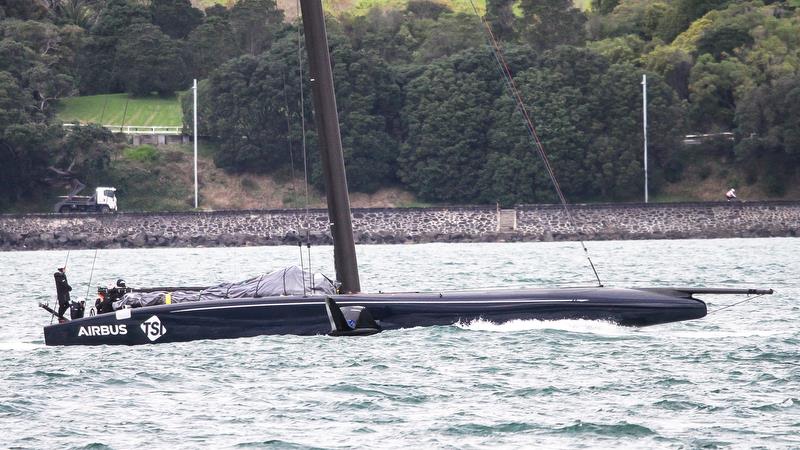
column 575, row 326
column 20, row 346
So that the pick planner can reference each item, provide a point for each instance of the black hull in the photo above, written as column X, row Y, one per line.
column 235, row 318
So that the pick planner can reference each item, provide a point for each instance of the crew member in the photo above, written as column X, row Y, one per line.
column 731, row 194
column 62, row 291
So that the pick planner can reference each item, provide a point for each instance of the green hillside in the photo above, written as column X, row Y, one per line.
column 122, row 109
column 423, row 108
column 362, row 6
column 352, row 6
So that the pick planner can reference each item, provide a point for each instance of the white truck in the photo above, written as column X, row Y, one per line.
column 104, row 200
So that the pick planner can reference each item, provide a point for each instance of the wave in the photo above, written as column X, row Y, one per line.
column 273, row 443
column 571, row 325
column 621, row 429
column 486, row 430
column 706, row 334
column 24, row 346
column 788, row 403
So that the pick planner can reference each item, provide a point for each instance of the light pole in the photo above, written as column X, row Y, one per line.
column 194, row 134
column 644, row 105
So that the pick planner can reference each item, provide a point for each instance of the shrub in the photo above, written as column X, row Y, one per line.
column 142, row 153
column 249, row 185
column 673, row 170
column 775, row 184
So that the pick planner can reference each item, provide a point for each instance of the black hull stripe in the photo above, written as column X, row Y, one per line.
column 387, row 302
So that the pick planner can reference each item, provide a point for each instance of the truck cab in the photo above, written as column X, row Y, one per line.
column 106, row 196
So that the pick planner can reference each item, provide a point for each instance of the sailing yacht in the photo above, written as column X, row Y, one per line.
column 345, row 310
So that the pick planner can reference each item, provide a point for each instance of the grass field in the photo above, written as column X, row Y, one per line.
column 120, row 109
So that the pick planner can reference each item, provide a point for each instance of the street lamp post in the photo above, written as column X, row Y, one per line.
column 644, row 107
column 194, row 134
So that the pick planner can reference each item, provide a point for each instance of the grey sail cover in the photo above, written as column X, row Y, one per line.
column 288, row 281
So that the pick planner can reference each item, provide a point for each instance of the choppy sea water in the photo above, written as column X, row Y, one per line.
column 731, row 379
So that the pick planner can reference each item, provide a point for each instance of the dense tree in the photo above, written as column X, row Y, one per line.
column 30, row 142
column 80, row 13
column 256, row 112
column 41, row 56
column 775, row 54
column 217, row 11
column 24, row 9
column 446, row 114
column 210, row 45
column 647, row 19
column 500, row 15
column 623, row 49
column 86, row 151
column 98, row 56
column 147, row 60
column 426, row 9
column 548, row 23
column 12, row 100
column 725, row 54
column 421, row 101
column 719, row 41
column 249, row 114
column 674, row 65
column 451, row 34
column 25, row 142
column 96, row 66
column 369, row 112
column 25, row 150
column 604, row 6
column 255, row 24
column 714, row 89
column 660, row 19
column 176, row 18
column 467, row 141
column 391, row 33
column 117, row 15
column 768, row 120
column 418, row 35
column 36, row 59
column 690, row 10
column 591, row 122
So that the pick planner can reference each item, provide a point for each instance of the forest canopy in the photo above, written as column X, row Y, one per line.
column 421, row 100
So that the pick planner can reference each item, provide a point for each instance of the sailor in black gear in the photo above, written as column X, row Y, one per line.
column 62, row 291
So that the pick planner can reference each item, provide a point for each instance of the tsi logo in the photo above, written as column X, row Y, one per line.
column 152, row 328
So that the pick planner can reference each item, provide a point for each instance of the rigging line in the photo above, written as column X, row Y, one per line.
column 737, row 303
column 302, row 110
column 310, row 271
column 103, row 113
column 302, row 266
column 91, row 273
column 671, row 283
column 125, row 113
column 305, row 153
column 288, row 130
column 515, row 94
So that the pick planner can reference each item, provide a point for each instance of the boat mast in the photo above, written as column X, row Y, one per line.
column 330, row 144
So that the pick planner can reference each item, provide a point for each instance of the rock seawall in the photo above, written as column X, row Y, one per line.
column 401, row 225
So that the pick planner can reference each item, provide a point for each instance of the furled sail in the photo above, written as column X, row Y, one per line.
column 288, row 281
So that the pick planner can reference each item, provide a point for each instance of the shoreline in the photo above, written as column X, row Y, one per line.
column 449, row 224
